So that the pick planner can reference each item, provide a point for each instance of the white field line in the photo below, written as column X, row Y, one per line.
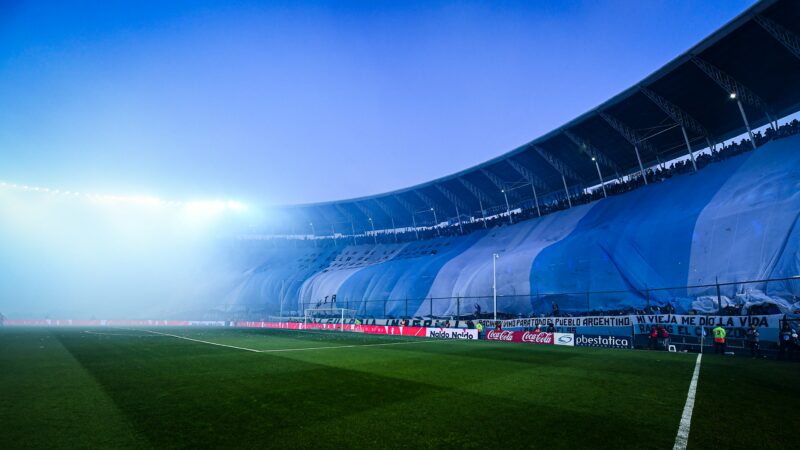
column 682, row 439
column 118, row 334
column 290, row 349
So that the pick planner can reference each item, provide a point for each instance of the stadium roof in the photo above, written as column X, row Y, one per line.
column 755, row 56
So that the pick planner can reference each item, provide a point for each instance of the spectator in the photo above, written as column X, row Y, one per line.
column 752, row 341
column 555, row 309
column 537, row 330
column 786, row 341
column 498, row 326
column 477, row 310
column 551, row 328
column 719, row 339
column 665, row 337
column 479, row 326
column 653, row 338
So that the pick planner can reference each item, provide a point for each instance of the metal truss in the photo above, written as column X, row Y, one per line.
column 593, row 151
column 454, row 199
column 781, row 34
column 677, row 114
column 731, row 86
column 476, row 191
column 557, row 164
column 528, row 174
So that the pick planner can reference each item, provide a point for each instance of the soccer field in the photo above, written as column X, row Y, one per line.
column 104, row 388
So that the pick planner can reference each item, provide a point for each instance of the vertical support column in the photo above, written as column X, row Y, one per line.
column 414, row 221
column 508, row 208
column 639, row 158
column 599, row 174
column 689, row 147
column 458, row 217
column 536, row 200
column 436, row 222
column 566, row 191
column 483, row 213
column 746, row 123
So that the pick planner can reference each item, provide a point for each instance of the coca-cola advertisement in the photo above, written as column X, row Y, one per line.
column 528, row 337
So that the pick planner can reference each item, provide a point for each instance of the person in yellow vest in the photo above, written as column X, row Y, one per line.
column 480, row 330
column 719, row 339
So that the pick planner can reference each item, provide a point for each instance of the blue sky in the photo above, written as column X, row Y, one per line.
column 286, row 102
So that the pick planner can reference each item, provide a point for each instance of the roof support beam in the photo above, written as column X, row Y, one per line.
column 479, row 194
column 593, row 151
column 410, row 208
column 367, row 212
column 560, row 167
column 497, row 181
column 532, row 179
column 735, row 90
column 349, row 217
column 631, row 136
column 680, row 117
column 454, row 200
column 388, row 211
column 781, row 34
column 432, row 205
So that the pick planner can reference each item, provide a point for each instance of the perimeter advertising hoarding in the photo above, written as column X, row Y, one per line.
column 527, row 337
column 451, row 333
column 603, row 341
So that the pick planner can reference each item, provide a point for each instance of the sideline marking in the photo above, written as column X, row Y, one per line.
column 117, row 334
column 682, row 439
column 290, row 349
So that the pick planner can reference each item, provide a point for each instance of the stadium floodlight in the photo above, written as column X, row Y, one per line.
column 733, row 95
column 495, row 256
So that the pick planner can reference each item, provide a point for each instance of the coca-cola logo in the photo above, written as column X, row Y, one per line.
column 500, row 335
column 537, row 338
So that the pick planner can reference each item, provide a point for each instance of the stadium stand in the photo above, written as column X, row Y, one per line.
column 640, row 204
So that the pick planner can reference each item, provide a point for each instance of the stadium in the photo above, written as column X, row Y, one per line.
column 630, row 278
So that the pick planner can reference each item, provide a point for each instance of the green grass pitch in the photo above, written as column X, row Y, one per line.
column 115, row 388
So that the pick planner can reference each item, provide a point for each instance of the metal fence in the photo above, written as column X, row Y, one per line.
column 729, row 298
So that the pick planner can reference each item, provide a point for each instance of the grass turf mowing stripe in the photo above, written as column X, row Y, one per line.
column 686, row 419
column 291, row 349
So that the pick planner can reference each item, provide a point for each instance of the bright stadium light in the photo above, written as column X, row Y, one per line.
column 204, row 207
column 733, row 95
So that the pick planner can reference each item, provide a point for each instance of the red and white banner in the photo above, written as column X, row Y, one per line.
column 528, row 337
column 368, row 329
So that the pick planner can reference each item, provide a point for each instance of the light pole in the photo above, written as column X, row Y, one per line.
column 508, row 208
column 600, row 175
column 374, row 236
column 313, row 233
column 744, row 118
column 494, row 283
column 435, row 222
